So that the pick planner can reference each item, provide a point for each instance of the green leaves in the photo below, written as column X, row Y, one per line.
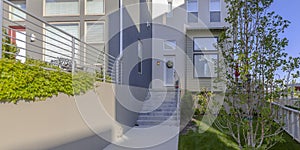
column 32, row 81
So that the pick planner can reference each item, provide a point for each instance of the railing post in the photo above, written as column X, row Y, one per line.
column 117, row 71
column 1, row 19
column 104, row 68
column 73, row 54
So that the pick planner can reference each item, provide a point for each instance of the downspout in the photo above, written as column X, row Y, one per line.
column 121, row 28
column 119, row 64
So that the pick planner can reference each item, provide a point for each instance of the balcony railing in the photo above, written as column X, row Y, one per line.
column 290, row 118
column 36, row 39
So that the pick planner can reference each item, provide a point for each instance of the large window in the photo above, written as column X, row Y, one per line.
column 16, row 14
column 215, row 10
column 205, row 44
column 58, row 44
column 94, row 32
column 192, row 10
column 94, row 7
column 204, row 65
column 205, row 57
column 61, row 7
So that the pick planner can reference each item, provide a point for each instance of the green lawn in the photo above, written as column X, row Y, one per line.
column 213, row 139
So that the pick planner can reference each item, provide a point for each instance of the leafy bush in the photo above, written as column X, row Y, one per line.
column 9, row 49
column 36, row 80
column 203, row 98
column 100, row 77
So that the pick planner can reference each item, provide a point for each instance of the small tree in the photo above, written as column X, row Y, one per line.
column 252, row 52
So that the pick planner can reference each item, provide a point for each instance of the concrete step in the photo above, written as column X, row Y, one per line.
column 160, row 113
column 157, row 117
column 155, row 122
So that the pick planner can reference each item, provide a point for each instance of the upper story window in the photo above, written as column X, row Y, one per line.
column 192, row 10
column 94, row 32
column 215, row 10
column 61, row 7
column 17, row 15
column 94, row 7
column 58, row 44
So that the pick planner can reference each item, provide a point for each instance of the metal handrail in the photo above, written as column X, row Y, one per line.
column 76, row 51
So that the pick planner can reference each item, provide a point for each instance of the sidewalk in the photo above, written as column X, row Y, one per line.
column 160, row 137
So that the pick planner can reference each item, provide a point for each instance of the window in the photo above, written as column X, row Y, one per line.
column 16, row 13
column 94, row 32
column 170, row 9
column 205, row 57
column 60, row 45
column 140, row 56
column 61, row 7
column 94, row 7
column 169, row 45
column 204, row 65
column 192, row 10
column 215, row 10
column 205, row 44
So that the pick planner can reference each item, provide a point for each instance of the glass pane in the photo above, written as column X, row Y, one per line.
column 205, row 44
column 204, row 65
column 60, row 45
column 193, row 17
column 215, row 5
column 170, row 45
column 140, row 49
column 16, row 12
column 62, row 7
column 94, row 7
column 192, row 6
column 215, row 16
column 95, row 32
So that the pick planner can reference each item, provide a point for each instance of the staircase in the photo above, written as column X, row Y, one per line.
column 159, row 109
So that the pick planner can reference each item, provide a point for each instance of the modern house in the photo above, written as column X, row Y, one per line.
column 152, row 33
column 155, row 42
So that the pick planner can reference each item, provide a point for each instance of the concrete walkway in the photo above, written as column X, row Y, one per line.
column 160, row 137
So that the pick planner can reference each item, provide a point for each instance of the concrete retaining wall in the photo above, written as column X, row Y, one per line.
column 57, row 123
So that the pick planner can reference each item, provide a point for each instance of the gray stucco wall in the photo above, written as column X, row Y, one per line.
column 61, row 123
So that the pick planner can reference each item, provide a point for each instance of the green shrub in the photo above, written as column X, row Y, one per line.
column 36, row 80
column 8, row 47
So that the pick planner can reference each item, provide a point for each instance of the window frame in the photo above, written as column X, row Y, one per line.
column 199, row 50
column 11, row 10
column 188, row 12
column 205, row 52
column 85, row 9
column 187, row 6
column 86, row 29
column 210, row 11
column 67, row 15
column 53, row 24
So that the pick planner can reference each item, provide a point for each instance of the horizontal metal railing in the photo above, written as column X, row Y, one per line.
column 290, row 118
column 36, row 39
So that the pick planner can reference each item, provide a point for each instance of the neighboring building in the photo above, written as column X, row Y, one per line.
column 185, row 32
column 154, row 32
